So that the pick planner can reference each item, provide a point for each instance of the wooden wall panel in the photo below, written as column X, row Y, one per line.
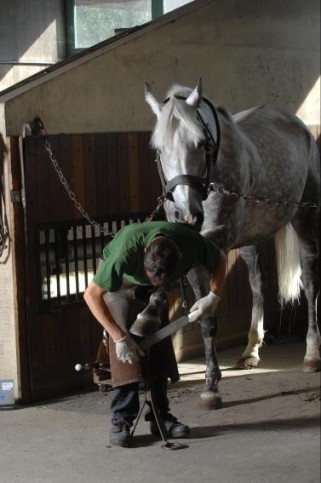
column 101, row 170
column 123, row 174
column 112, row 169
column 77, row 161
column 134, row 173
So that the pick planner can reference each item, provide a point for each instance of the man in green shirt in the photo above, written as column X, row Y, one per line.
column 141, row 257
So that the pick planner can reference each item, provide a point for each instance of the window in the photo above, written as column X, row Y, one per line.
column 92, row 21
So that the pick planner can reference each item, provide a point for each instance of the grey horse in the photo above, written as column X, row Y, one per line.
column 240, row 180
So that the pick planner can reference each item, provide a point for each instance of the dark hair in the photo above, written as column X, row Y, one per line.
column 161, row 259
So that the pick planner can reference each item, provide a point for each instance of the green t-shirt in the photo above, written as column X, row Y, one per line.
column 124, row 255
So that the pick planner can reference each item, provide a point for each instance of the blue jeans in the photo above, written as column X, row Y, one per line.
column 125, row 404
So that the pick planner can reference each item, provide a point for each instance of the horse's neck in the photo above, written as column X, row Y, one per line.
column 230, row 167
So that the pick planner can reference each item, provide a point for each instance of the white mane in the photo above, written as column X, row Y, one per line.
column 177, row 119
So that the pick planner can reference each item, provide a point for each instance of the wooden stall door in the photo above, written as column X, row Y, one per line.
column 114, row 178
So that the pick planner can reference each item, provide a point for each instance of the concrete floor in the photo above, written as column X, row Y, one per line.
column 267, row 431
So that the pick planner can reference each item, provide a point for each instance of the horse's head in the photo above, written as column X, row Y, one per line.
column 181, row 140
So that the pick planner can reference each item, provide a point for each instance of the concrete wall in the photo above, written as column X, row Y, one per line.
column 247, row 52
column 32, row 36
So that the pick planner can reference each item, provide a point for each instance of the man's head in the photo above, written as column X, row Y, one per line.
column 161, row 259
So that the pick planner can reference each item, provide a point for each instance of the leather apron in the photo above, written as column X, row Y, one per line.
column 124, row 305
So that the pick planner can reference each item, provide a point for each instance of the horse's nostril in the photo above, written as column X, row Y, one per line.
column 194, row 220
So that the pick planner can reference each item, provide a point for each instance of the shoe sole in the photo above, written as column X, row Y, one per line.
column 176, row 434
column 120, row 445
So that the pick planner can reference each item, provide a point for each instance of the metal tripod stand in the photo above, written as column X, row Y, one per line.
column 149, row 398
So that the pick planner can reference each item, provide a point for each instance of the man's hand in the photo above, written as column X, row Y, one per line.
column 127, row 350
column 204, row 307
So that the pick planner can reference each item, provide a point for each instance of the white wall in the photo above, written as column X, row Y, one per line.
column 247, row 52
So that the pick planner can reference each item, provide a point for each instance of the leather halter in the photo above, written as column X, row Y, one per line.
column 211, row 152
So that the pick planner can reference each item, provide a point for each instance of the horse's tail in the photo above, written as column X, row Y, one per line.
column 288, row 264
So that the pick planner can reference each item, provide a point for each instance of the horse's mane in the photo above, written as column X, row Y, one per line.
column 177, row 118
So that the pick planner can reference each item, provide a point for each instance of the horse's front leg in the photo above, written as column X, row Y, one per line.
column 209, row 398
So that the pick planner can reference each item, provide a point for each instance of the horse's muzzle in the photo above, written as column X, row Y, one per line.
column 195, row 220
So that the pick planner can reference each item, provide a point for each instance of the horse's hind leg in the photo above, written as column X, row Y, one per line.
column 250, row 357
column 210, row 397
column 309, row 256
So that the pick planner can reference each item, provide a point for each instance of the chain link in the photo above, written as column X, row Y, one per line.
column 254, row 199
column 161, row 201
column 71, row 194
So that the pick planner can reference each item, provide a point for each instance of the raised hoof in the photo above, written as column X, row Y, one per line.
column 210, row 400
column 149, row 320
column 311, row 365
column 247, row 363
column 145, row 324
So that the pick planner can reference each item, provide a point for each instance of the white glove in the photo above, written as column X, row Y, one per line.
column 204, row 307
column 127, row 350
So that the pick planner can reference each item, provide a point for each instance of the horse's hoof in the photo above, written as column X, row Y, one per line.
column 311, row 365
column 247, row 363
column 145, row 324
column 210, row 400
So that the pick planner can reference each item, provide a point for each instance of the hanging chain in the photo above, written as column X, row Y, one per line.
column 254, row 199
column 161, row 201
column 71, row 194
column 77, row 204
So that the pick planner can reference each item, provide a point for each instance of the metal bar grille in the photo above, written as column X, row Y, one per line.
column 68, row 255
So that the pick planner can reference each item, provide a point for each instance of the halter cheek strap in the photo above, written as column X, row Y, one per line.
column 187, row 179
column 211, row 153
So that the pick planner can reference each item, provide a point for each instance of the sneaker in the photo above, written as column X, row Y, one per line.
column 119, row 435
column 174, row 429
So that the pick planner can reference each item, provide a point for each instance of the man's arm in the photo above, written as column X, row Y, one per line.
column 93, row 297
column 126, row 348
column 217, row 278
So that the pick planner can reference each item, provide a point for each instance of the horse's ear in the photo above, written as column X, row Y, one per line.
column 196, row 95
column 151, row 100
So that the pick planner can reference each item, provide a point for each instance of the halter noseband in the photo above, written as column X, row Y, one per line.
column 211, row 152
